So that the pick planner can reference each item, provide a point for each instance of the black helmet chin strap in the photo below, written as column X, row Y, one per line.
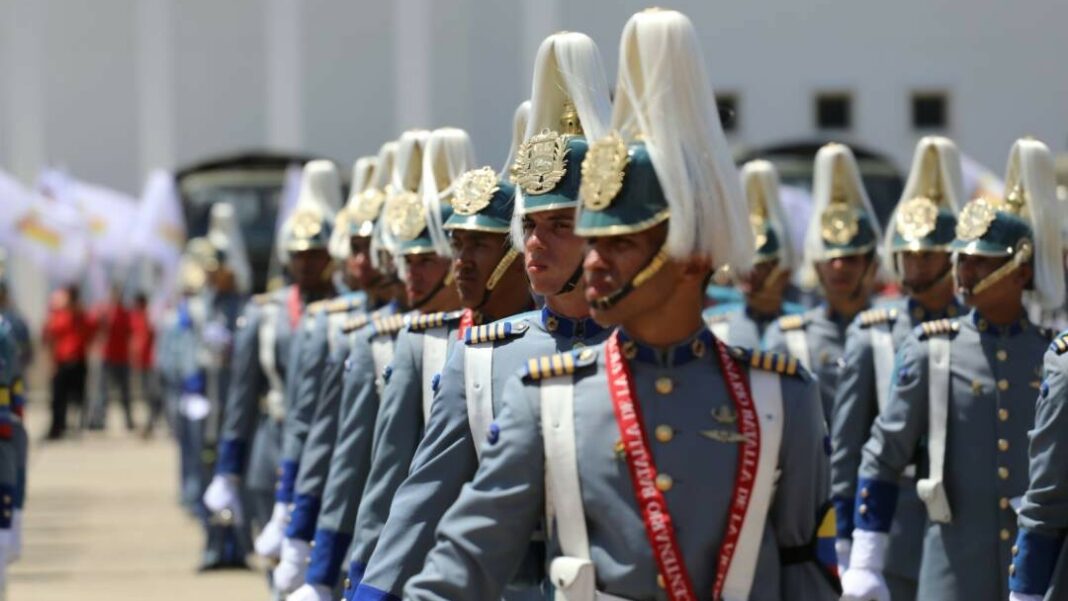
column 571, row 282
column 651, row 268
column 445, row 280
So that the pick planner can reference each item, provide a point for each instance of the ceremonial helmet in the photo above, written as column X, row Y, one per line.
column 228, row 246
column 310, row 224
column 771, row 239
column 667, row 157
column 843, row 223
column 192, row 276
column 926, row 215
column 356, row 218
column 372, row 206
column 1025, row 225
column 449, row 153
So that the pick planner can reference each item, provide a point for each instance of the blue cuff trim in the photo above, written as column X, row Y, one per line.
column 1036, row 556
column 7, row 505
column 876, row 504
column 370, row 593
column 231, row 457
column 287, row 482
column 843, row 509
column 356, row 570
column 194, row 384
column 327, row 556
column 303, row 517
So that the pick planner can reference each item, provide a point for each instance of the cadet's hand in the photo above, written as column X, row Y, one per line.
column 1024, row 597
column 842, row 548
column 862, row 584
column 222, row 496
column 269, row 542
column 293, row 564
column 310, row 592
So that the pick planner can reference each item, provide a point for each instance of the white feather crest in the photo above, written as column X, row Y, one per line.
column 663, row 95
column 224, row 233
column 519, row 129
column 950, row 181
column 762, row 175
column 362, row 172
column 823, row 187
column 449, row 152
column 568, row 67
column 1031, row 166
column 380, row 180
column 320, row 188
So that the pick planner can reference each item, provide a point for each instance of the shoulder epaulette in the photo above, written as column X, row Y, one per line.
column 780, row 363
column 433, row 320
column 560, row 364
column 501, row 330
column 717, row 318
column 354, row 323
column 938, row 327
column 388, row 324
column 791, row 322
column 263, row 298
column 873, row 317
column 344, row 305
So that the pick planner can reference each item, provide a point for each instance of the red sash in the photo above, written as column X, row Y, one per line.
column 294, row 306
column 466, row 321
column 651, row 502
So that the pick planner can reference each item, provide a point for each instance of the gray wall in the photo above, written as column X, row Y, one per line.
column 112, row 88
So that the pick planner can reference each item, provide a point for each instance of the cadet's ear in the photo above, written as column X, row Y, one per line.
column 697, row 269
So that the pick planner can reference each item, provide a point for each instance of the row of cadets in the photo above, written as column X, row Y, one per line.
column 19, row 332
column 342, row 418
column 13, row 449
column 966, row 387
column 490, row 283
column 840, row 256
column 569, row 102
column 322, row 351
column 647, row 503
column 774, row 262
column 251, row 438
column 378, row 300
column 390, row 415
column 917, row 244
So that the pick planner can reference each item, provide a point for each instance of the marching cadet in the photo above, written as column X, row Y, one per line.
column 368, row 349
column 839, row 256
column 20, row 333
column 324, row 354
column 227, row 285
column 488, row 281
column 967, row 385
column 628, row 520
column 251, row 437
column 474, row 376
column 1036, row 572
column 918, row 237
column 774, row 262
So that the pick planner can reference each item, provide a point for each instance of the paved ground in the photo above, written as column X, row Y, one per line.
column 103, row 523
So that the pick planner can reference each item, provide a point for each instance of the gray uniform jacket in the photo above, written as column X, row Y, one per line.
column 483, row 537
column 350, row 461
column 1038, row 564
column 398, row 430
column 10, row 370
column 825, row 335
column 251, row 439
column 447, row 459
column 993, row 380
column 740, row 327
column 855, row 407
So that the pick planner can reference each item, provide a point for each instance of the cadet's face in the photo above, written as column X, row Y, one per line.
column 553, row 251
column 308, row 267
column 223, row 280
column 842, row 275
column 613, row 261
column 358, row 264
column 971, row 270
column 921, row 268
column 476, row 255
column 425, row 271
column 754, row 281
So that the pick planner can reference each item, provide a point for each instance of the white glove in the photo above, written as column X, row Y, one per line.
column 311, row 592
column 864, row 580
column 289, row 574
column 1024, row 597
column 15, row 551
column 269, row 542
column 842, row 548
column 222, row 495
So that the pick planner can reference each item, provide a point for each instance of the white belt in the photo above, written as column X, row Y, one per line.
column 931, row 489
column 797, row 345
column 478, row 384
column 882, row 348
column 435, row 343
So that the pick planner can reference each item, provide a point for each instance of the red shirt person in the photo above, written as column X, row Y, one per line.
column 67, row 332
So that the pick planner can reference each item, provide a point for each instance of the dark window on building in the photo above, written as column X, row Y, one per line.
column 728, row 111
column 834, row 111
column 930, row 110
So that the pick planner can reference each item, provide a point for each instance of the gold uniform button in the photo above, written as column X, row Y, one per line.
column 1015, row 550
column 1003, row 503
column 1003, row 445
column 664, row 482
column 1003, row 473
column 1012, row 570
column 1003, row 385
column 665, row 433
column 977, row 387
column 863, row 509
column 660, row 581
column 1005, row 534
column 864, row 493
column 1003, row 415
column 1002, row 354
column 348, row 584
column 664, row 385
